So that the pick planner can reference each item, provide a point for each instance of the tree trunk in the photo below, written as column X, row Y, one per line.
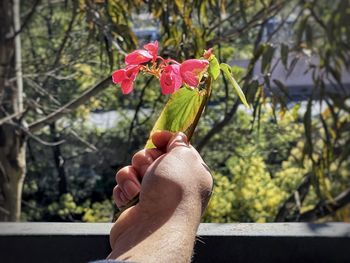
column 12, row 138
column 12, row 172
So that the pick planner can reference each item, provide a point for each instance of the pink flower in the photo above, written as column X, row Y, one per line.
column 125, row 77
column 170, row 80
column 138, row 57
column 191, row 70
column 152, row 49
column 207, row 53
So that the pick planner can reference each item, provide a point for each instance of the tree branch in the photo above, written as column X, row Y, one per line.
column 323, row 209
column 230, row 114
column 219, row 126
column 10, row 117
column 63, row 43
column 291, row 201
column 72, row 105
column 26, row 19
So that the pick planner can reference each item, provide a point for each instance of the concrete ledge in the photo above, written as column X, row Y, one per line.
column 275, row 242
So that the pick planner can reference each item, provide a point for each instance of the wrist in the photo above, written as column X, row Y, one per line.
column 138, row 231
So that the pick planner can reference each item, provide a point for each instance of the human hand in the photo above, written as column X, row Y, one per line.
column 175, row 189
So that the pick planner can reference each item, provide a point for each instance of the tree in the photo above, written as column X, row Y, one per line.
column 12, row 148
column 13, row 128
column 103, row 29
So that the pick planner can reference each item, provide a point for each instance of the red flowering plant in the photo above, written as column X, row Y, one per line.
column 172, row 74
column 189, row 84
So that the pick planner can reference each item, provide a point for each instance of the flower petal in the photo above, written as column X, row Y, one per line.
column 152, row 48
column 207, row 53
column 192, row 69
column 190, row 79
column 138, row 57
column 118, row 76
column 132, row 71
column 170, row 80
column 127, row 86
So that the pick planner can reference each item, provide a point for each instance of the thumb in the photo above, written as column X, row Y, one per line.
column 179, row 139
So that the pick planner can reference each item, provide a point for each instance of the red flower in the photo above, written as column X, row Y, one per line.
column 125, row 77
column 152, row 49
column 138, row 57
column 207, row 53
column 170, row 80
column 191, row 71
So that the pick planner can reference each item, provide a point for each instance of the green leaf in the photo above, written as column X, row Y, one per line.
column 214, row 67
column 267, row 58
column 226, row 69
column 308, row 148
column 181, row 112
column 284, row 55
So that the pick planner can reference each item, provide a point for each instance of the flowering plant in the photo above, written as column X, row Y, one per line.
column 189, row 83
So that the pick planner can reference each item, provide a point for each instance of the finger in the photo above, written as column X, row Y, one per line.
column 119, row 197
column 161, row 138
column 143, row 159
column 127, row 180
column 179, row 139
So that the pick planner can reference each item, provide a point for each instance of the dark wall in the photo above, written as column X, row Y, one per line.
column 217, row 243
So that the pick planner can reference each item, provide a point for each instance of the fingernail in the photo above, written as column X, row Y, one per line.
column 131, row 189
column 123, row 197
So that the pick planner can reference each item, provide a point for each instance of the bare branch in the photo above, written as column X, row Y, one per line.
column 42, row 91
column 290, row 203
column 231, row 113
column 26, row 19
column 63, row 43
column 219, row 126
column 10, row 117
column 86, row 143
column 264, row 14
column 323, row 209
column 36, row 138
column 72, row 105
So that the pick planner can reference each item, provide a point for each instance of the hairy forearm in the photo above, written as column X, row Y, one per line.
column 167, row 244
column 161, row 239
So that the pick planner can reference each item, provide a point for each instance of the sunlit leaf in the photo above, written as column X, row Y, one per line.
column 214, row 68
column 226, row 69
column 182, row 110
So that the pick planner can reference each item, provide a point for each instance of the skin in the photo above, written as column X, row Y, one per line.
column 175, row 189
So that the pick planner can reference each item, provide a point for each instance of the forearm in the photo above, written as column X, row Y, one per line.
column 167, row 239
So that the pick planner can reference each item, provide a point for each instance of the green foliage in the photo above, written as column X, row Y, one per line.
column 99, row 212
column 253, row 186
column 226, row 69
column 220, row 209
column 67, row 209
column 259, row 157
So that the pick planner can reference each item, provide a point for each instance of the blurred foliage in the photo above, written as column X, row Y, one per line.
column 259, row 158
